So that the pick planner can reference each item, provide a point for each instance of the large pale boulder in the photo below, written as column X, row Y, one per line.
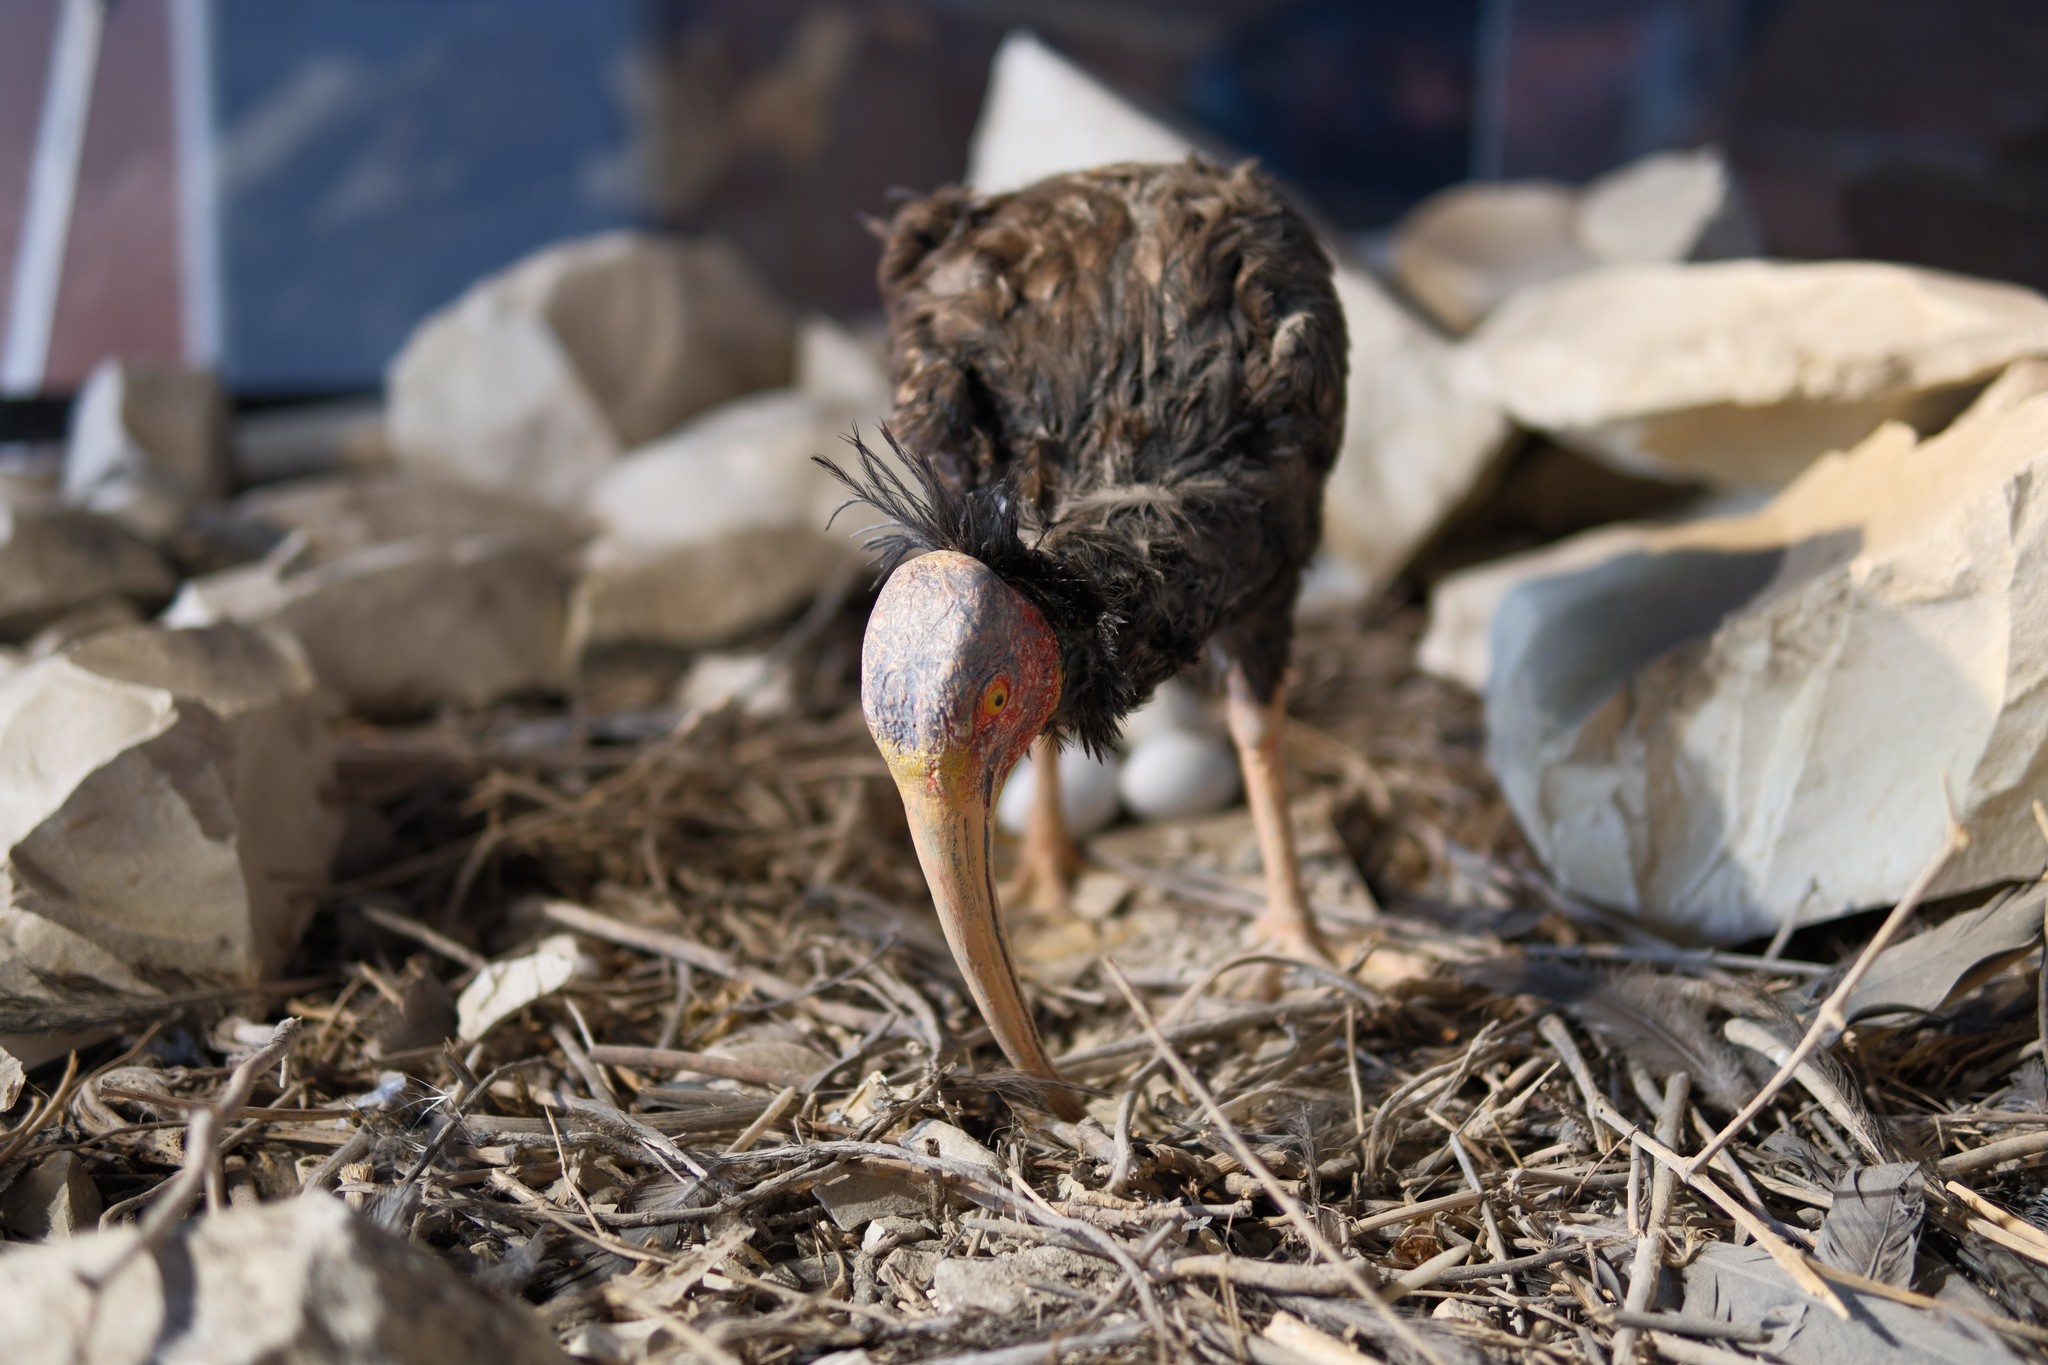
column 1464, row 250
column 1729, row 724
column 406, row 593
column 1740, row 373
column 162, row 814
column 537, row 379
column 1668, row 206
column 722, row 527
column 303, row 1280
column 337, row 514
column 300, row 441
column 1418, row 434
column 399, row 628
column 54, row 560
column 1464, row 606
column 148, row 445
column 1043, row 115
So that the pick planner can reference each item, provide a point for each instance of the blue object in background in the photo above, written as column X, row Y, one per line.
column 376, row 156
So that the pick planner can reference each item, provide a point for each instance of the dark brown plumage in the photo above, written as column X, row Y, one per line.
column 1118, row 394
column 1138, row 373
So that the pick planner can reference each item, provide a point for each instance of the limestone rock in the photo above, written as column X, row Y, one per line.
column 1740, row 373
column 936, row 1137
column 859, row 1198
column 303, row 1280
column 1006, row 1286
column 722, row 527
column 398, row 628
column 54, row 560
column 1417, row 433
column 1669, row 206
column 537, row 379
column 1044, row 115
column 299, row 442
column 148, row 445
column 1727, row 724
column 406, row 592
column 164, row 816
column 1464, row 606
column 713, row 531
column 1464, row 249
column 51, row 1199
column 337, row 514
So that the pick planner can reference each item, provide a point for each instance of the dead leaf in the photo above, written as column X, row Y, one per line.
column 502, row 989
column 12, row 1079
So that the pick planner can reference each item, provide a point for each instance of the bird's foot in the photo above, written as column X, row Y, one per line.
column 1283, row 933
column 1051, row 858
column 1045, row 882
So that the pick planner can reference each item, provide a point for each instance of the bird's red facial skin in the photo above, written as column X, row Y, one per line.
column 959, row 673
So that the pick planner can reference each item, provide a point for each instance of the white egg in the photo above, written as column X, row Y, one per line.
column 1175, row 706
column 1087, row 794
column 1178, row 774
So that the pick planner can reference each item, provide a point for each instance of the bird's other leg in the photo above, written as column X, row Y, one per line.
column 1286, row 925
column 1050, row 857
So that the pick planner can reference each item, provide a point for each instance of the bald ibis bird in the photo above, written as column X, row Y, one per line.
column 1117, row 396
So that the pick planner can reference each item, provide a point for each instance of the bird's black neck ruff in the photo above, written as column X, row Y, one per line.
column 985, row 522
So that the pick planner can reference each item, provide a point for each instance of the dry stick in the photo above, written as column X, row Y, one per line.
column 1059, row 1348
column 2007, row 1229
column 1781, row 1251
column 405, row 926
column 1408, row 1213
column 1750, row 1034
column 1274, row 1190
column 202, row 1138
column 769, row 1117
column 704, row 1063
column 1991, row 1153
column 661, row 944
column 1121, row 1170
column 1642, row 1275
column 1829, row 1019
column 1199, row 1031
column 40, row 1116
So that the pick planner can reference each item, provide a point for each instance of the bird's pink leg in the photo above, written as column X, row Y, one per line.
column 1286, row 925
column 1050, row 856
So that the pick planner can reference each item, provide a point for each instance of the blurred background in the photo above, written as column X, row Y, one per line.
column 281, row 189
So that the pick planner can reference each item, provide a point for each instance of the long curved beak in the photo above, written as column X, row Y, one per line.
column 951, row 830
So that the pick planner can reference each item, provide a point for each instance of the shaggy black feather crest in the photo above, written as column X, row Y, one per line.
column 985, row 523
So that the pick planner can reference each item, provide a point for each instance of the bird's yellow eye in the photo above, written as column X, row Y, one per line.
column 996, row 698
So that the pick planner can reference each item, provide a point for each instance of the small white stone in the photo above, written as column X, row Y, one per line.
column 1175, row 708
column 1087, row 794
column 1178, row 774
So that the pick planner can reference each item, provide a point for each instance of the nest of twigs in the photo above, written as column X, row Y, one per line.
column 717, row 1140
